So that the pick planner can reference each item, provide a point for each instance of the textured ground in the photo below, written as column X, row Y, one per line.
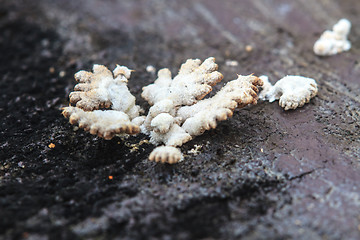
column 264, row 174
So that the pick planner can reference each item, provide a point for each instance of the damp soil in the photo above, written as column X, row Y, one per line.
column 265, row 173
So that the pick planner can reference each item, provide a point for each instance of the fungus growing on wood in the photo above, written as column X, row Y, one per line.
column 104, row 106
column 291, row 91
column 335, row 41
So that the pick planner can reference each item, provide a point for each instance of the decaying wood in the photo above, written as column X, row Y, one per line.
column 264, row 172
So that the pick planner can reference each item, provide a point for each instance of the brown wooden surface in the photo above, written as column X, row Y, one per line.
column 264, row 174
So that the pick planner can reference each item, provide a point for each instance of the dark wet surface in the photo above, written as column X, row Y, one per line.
column 263, row 174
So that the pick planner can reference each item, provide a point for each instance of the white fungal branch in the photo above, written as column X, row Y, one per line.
column 105, row 124
column 104, row 89
column 204, row 115
column 192, row 83
column 335, row 41
column 178, row 112
column 176, row 136
column 291, row 91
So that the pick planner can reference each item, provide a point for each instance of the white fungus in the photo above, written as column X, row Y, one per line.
column 104, row 89
column 335, row 41
column 177, row 112
column 204, row 115
column 105, row 124
column 166, row 154
column 291, row 91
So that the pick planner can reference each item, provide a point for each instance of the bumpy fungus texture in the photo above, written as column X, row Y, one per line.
column 178, row 111
column 166, row 154
column 291, row 91
column 104, row 89
column 335, row 41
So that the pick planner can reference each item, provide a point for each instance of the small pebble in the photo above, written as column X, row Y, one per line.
column 231, row 63
column 62, row 74
column 248, row 48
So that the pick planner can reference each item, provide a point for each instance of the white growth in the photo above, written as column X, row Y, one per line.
column 166, row 154
column 204, row 115
column 102, row 123
column 167, row 95
column 104, row 89
column 177, row 112
column 335, row 41
column 265, row 87
column 291, row 91
column 192, row 83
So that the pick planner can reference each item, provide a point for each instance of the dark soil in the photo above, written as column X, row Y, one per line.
column 263, row 174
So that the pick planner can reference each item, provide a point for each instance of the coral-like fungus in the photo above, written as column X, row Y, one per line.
column 291, row 91
column 204, row 114
column 102, row 123
column 166, row 154
column 104, row 89
column 178, row 111
column 335, row 41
